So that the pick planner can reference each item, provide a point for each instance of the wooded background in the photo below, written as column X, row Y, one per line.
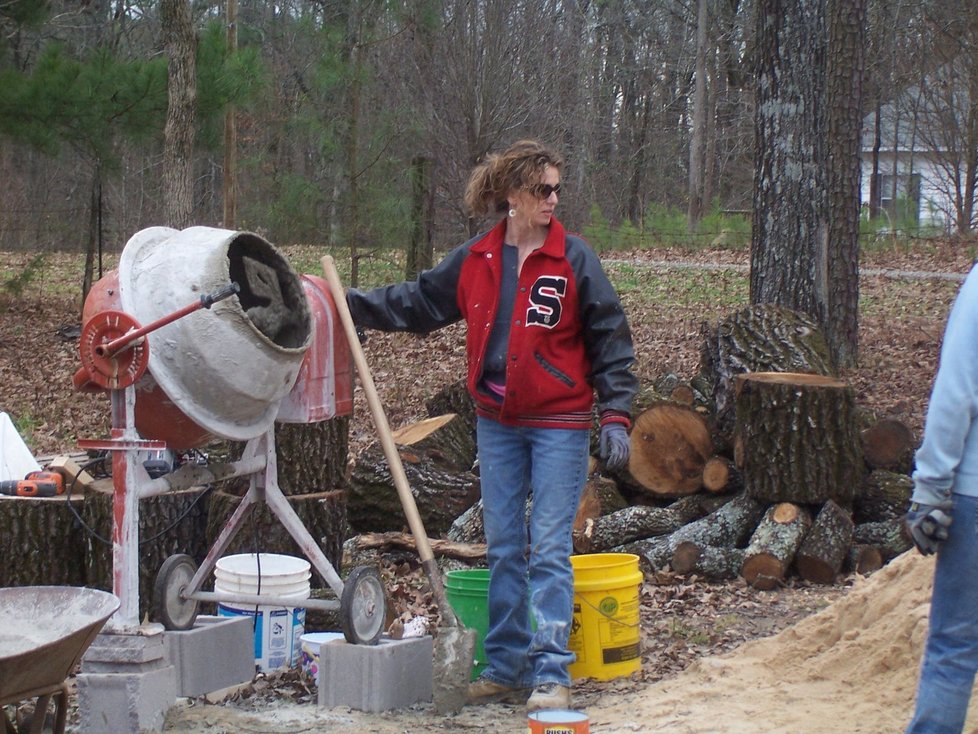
column 332, row 114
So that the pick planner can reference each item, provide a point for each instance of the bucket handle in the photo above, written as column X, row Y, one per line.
column 608, row 616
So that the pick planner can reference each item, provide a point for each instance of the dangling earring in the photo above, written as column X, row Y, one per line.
column 512, row 213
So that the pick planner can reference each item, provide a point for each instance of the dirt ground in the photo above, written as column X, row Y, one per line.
column 851, row 667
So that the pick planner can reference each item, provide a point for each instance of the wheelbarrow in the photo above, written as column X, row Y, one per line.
column 45, row 632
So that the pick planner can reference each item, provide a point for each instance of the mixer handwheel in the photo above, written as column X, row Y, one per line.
column 112, row 371
column 173, row 610
column 363, row 606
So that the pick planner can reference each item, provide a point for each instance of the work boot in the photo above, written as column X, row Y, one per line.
column 486, row 690
column 549, row 696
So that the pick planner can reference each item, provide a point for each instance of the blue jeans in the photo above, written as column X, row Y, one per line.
column 539, row 577
column 951, row 652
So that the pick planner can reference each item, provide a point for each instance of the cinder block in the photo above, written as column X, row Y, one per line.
column 392, row 674
column 217, row 652
column 124, row 703
column 110, row 652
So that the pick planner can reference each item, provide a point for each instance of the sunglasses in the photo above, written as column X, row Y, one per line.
column 543, row 191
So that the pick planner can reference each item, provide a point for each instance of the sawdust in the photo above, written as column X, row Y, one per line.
column 852, row 667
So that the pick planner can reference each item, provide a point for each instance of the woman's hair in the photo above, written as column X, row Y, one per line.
column 521, row 165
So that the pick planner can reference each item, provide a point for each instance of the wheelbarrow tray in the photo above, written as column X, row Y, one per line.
column 45, row 631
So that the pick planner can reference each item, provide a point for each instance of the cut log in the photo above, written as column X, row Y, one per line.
column 725, row 527
column 453, row 398
column 863, row 559
column 824, row 550
column 323, row 514
column 760, row 338
column 670, row 445
column 720, row 475
column 312, row 457
column 441, row 494
column 883, row 495
column 469, row 526
column 588, row 510
column 41, row 544
column 444, row 548
column 609, row 496
column 707, row 560
column 446, row 439
column 798, row 437
column 639, row 521
column 889, row 444
column 170, row 523
column 773, row 545
column 889, row 536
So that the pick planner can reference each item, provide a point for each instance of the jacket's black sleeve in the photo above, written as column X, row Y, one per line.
column 607, row 338
column 419, row 306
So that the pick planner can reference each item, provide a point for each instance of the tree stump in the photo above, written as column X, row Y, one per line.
column 323, row 514
column 41, row 544
column 889, row 444
column 170, row 523
column 670, row 445
column 441, row 494
column 888, row 536
column 883, row 495
column 797, row 438
column 639, row 521
column 824, row 549
column 725, row 527
column 760, row 338
column 773, row 545
column 707, row 560
column 446, row 439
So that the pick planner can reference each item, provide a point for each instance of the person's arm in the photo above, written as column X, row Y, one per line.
column 420, row 306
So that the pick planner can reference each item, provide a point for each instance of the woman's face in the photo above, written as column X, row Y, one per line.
column 536, row 203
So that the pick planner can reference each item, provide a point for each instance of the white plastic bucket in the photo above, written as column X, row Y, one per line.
column 278, row 629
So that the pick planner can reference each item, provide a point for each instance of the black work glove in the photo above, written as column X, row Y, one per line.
column 928, row 524
column 614, row 446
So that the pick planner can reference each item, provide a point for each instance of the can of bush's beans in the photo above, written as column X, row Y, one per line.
column 558, row 721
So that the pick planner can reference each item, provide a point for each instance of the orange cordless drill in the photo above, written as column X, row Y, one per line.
column 35, row 484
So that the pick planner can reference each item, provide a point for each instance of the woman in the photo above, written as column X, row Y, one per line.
column 545, row 331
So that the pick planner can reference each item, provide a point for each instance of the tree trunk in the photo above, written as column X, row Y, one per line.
column 707, row 560
column 419, row 254
column 798, row 437
column 763, row 338
column 446, row 439
column 638, row 521
column 454, row 398
column 889, row 444
column 825, row 547
column 670, row 445
column 312, row 456
column 170, row 523
column 441, row 494
column 773, row 545
column 883, row 495
column 180, row 45
column 725, row 527
column 323, row 514
column 888, row 536
column 40, row 542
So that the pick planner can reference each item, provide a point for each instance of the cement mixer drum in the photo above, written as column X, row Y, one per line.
column 228, row 367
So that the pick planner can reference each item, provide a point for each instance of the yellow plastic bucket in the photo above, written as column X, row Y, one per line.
column 605, row 631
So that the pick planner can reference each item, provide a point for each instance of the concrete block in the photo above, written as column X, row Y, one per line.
column 109, row 650
column 125, row 703
column 392, row 674
column 218, row 652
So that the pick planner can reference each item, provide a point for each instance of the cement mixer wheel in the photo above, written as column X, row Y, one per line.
column 172, row 609
column 363, row 606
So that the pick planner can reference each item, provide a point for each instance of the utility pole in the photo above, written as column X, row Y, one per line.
column 230, row 189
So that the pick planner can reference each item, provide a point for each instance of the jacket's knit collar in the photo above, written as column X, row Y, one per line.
column 553, row 246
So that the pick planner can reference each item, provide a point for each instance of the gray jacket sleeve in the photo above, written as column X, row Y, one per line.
column 420, row 306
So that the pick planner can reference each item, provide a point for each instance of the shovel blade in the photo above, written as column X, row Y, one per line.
column 454, row 650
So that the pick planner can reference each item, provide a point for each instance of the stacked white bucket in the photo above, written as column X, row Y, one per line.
column 278, row 629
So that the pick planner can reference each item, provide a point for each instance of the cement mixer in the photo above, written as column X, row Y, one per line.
column 208, row 333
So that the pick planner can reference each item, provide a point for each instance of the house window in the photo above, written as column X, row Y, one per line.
column 906, row 204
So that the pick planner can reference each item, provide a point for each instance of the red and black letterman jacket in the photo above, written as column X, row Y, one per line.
column 569, row 337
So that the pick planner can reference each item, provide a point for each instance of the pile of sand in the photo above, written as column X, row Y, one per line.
column 850, row 668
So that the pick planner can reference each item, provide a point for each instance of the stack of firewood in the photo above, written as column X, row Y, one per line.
column 760, row 466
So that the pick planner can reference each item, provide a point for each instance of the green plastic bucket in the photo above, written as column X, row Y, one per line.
column 467, row 591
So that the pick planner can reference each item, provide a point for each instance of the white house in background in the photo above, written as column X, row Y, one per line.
column 914, row 163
